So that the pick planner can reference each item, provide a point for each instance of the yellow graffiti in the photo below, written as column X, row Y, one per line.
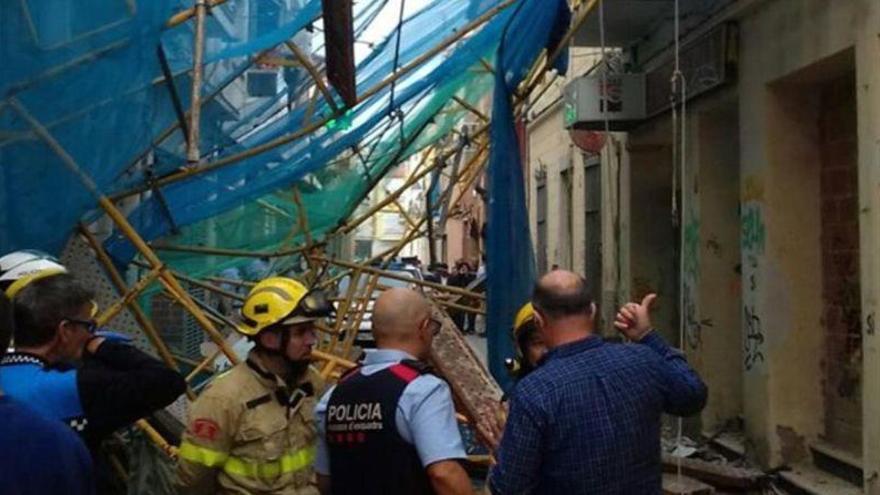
column 753, row 189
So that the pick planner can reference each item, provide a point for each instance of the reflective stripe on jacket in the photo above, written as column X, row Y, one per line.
column 248, row 433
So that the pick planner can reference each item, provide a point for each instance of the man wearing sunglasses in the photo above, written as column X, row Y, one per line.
column 66, row 372
column 253, row 429
column 25, row 435
column 389, row 426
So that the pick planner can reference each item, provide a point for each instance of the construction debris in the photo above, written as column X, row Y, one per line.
column 684, row 485
column 718, row 475
column 704, row 462
column 454, row 358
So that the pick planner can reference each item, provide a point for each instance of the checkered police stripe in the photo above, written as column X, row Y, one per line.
column 21, row 359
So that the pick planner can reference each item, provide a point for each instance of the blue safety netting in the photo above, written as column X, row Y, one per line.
column 391, row 116
column 89, row 74
column 510, row 265
column 84, row 71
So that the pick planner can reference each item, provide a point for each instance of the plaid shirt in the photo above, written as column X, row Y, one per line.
column 588, row 419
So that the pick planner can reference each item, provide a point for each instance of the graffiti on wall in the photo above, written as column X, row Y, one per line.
column 754, row 236
column 691, row 248
column 691, row 275
column 694, row 325
column 753, row 350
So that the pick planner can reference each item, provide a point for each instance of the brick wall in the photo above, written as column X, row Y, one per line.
column 840, row 263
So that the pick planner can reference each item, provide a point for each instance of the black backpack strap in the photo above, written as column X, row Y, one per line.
column 349, row 373
column 421, row 367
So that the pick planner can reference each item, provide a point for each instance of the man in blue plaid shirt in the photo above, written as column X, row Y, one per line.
column 587, row 421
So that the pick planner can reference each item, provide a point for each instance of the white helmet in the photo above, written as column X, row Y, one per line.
column 19, row 268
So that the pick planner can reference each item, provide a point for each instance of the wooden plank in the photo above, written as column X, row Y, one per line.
column 684, row 485
column 717, row 475
column 454, row 359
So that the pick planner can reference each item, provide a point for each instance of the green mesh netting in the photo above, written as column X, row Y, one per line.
column 329, row 195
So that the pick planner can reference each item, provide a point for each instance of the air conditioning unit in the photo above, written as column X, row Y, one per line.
column 591, row 100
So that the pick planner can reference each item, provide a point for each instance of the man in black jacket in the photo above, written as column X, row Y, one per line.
column 116, row 383
column 461, row 277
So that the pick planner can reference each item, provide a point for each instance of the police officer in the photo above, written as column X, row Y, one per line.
column 253, row 429
column 65, row 370
column 116, row 383
column 19, row 268
column 389, row 426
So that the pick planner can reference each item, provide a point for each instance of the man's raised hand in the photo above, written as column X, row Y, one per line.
column 634, row 320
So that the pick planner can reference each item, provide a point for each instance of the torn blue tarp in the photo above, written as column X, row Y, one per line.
column 510, row 264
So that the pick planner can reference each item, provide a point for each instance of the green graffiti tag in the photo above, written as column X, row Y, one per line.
column 691, row 273
column 569, row 114
column 691, row 249
column 754, row 235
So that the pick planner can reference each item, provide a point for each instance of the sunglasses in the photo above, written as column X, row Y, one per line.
column 91, row 325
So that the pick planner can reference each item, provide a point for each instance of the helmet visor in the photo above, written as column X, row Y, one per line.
column 314, row 305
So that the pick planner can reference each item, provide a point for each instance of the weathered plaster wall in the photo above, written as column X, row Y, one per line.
column 713, row 321
column 780, row 234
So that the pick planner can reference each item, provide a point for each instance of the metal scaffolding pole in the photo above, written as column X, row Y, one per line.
column 139, row 315
column 195, row 113
column 125, row 228
column 313, row 127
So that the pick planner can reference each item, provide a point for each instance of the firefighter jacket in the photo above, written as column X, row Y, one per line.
column 249, row 433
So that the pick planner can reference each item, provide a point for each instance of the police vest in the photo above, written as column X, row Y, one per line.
column 367, row 454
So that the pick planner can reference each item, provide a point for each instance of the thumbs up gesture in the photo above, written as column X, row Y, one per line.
column 634, row 320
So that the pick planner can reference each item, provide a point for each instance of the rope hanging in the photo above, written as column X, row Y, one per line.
column 679, row 162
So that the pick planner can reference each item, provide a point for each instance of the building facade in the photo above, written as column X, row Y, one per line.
column 752, row 211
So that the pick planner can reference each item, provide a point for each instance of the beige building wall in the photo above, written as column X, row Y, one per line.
column 867, row 54
column 694, row 265
column 712, row 306
column 551, row 152
column 752, row 224
column 788, row 48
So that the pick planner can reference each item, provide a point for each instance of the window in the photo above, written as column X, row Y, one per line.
column 541, row 248
column 565, row 225
column 593, row 228
column 363, row 249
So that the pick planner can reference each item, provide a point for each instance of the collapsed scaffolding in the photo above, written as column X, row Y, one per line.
column 409, row 102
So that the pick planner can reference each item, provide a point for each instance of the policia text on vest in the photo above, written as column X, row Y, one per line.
column 355, row 417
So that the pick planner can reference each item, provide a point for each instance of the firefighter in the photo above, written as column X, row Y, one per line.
column 389, row 426
column 529, row 344
column 253, row 429
column 530, row 348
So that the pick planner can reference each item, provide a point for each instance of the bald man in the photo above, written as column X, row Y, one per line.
column 389, row 427
column 587, row 420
